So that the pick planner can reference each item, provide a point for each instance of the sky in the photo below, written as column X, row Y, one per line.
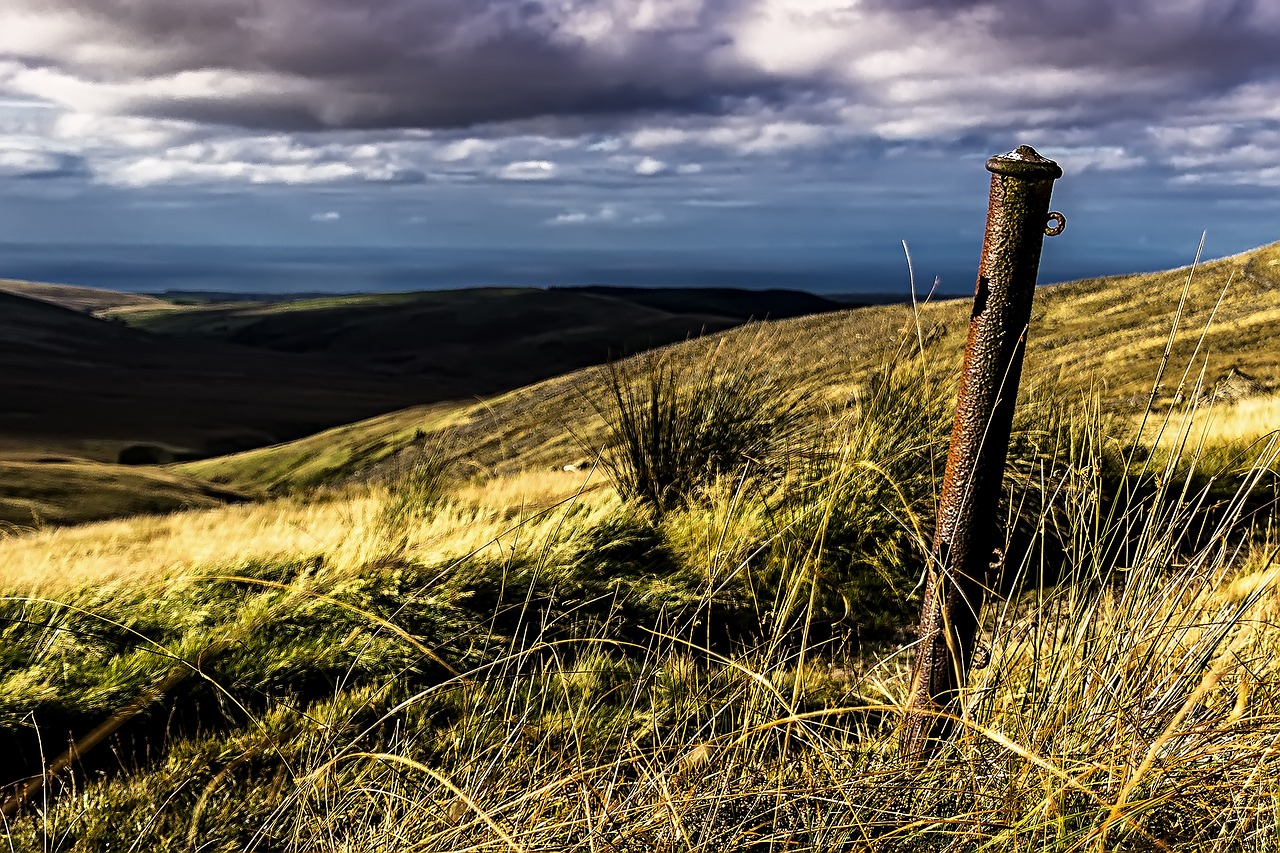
column 773, row 136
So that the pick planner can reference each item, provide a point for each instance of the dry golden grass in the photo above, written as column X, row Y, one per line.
column 1247, row 420
column 346, row 530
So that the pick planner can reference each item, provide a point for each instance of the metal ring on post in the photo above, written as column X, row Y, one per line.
column 1060, row 224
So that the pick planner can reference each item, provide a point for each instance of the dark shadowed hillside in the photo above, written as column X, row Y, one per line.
column 74, row 384
column 209, row 379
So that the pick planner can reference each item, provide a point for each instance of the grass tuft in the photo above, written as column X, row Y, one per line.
column 674, row 429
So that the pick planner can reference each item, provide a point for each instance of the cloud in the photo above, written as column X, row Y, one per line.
column 528, row 170
column 605, row 213
column 466, row 149
column 747, row 134
column 306, row 64
column 95, row 130
column 327, row 216
column 276, row 159
column 528, row 90
column 1107, row 158
column 891, row 68
column 649, row 166
column 32, row 163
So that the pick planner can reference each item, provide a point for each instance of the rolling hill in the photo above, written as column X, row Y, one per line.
column 99, row 377
column 379, row 372
column 1105, row 334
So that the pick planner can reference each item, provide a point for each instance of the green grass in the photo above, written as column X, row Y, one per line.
column 620, row 681
column 673, row 433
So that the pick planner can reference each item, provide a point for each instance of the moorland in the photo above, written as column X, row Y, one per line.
column 446, row 572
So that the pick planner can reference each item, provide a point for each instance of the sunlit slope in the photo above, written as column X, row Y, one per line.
column 1113, row 331
column 1107, row 333
column 89, row 300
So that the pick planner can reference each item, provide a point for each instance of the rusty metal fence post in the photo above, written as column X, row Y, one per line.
column 965, row 539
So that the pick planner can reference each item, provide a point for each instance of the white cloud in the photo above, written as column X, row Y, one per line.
column 1106, row 158
column 93, row 129
column 18, row 160
column 605, row 213
column 274, row 159
column 743, row 134
column 327, row 216
column 152, row 171
column 689, row 169
column 650, row 166
column 528, row 170
column 466, row 149
column 659, row 137
column 1267, row 177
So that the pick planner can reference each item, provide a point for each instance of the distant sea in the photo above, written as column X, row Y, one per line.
column 280, row 270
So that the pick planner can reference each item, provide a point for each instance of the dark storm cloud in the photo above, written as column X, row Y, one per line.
column 958, row 69
column 405, row 63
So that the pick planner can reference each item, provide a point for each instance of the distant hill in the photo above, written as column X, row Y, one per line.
column 439, row 331
column 76, row 385
column 88, row 300
column 93, row 374
column 735, row 303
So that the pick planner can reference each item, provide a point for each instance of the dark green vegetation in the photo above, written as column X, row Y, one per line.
column 708, row 655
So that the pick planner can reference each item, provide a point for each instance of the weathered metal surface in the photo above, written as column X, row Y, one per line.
column 967, row 533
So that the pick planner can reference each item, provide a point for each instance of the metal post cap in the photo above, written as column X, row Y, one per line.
column 1024, row 162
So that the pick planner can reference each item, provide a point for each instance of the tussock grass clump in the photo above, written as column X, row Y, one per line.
column 674, row 428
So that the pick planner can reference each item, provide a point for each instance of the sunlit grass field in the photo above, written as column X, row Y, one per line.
column 700, row 638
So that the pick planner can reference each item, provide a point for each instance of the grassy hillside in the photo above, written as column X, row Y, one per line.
column 702, row 642
column 1107, row 335
column 529, row 662
column 55, row 490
